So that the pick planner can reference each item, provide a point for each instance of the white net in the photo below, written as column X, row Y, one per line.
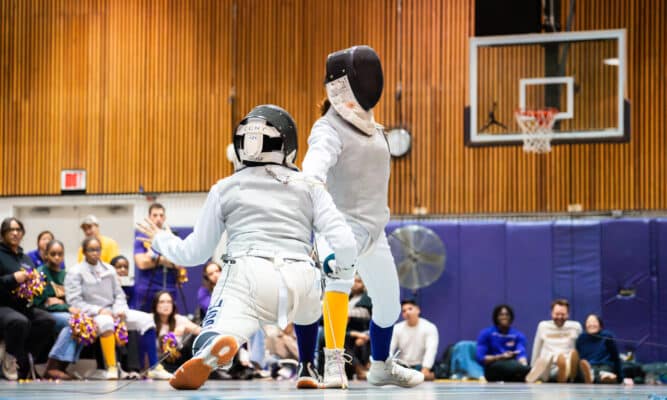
column 536, row 126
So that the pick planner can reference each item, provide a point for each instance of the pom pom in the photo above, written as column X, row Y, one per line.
column 169, row 345
column 83, row 328
column 120, row 332
column 33, row 286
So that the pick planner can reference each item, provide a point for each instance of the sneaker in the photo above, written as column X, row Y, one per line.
column 574, row 365
column 307, row 377
column 561, row 363
column 159, row 373
column 538, row 370
column 586, row 371
column 334, row 369
column 109, row 374
column 10, row 367
column 390, row 372
column 194, row 373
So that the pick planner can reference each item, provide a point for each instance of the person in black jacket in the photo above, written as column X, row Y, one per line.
column 25, row 329
column 600, row 361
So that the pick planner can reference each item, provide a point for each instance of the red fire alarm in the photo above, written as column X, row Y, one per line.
column 73, row 181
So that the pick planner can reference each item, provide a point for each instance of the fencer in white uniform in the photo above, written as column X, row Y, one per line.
column 270, row 211
column 348, row 151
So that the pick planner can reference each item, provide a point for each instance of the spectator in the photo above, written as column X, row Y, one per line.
column 357, row 340
column 416, row 338
column 554, row 354
column 154, row 272
column 210, row 276
column 122, row 267
column 39, row 254
column 501, row 349
column 91, row 229
column 93, row 287
column 25, row 329
column 600, row 361
column 52, row 298
column 167, row 319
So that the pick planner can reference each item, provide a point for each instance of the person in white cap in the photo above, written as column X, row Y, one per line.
column 91, row 228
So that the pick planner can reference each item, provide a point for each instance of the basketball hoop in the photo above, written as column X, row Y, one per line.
column 536, row 126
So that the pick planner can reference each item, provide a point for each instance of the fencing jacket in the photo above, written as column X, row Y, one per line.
column 267, row 211
column 355, row 168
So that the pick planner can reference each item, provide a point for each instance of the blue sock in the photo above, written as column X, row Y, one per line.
column 380, row 341
column 147, row 346
column 306, row 336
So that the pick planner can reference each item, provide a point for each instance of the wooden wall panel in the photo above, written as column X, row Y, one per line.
column 146, row 92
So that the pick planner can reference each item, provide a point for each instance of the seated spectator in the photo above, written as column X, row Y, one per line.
column 38, row 256
column 600, row 361
column 210, row 276
column 168, row 320
column 122, row 267
column 281, row 343
column 554, row 355
column 91, row 229
column 93, row 287
column 52, row 298
column 357, row 340
column 25, row 329
column 416, row 338
column 501, row 349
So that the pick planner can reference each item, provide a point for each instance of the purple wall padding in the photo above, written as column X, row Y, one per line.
column 562, row 264
column 576, row 266
column 660, row 317
column 440, row 302
column 587, row 270
column 528, row 275
column 482, row 274
column 626, row 265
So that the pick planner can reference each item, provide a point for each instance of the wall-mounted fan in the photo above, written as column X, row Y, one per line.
column 419, row 254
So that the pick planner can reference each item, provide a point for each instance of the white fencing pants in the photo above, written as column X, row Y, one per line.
column 254, row 290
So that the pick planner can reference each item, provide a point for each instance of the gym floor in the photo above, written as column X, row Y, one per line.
column 285, row 390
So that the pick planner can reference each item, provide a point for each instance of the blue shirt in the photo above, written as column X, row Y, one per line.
column 492, row 342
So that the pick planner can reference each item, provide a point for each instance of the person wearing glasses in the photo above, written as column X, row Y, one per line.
column 24, row 329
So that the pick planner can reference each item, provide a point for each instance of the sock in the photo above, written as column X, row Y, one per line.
column 306, row 336
column 334, row 312
column 147, row 346
column 380, row 341
column 108, row 344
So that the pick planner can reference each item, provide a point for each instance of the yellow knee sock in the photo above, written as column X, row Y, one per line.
column 334, row 312
column 108, row 345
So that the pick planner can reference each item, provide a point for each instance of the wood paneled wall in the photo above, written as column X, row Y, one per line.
column 146, row 92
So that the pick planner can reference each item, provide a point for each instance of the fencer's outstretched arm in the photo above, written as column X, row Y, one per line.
column 200, row 244
column 330, row 223
column 324, row 147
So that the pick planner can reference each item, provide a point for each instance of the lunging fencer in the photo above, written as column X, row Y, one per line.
column 348, row 151
column 270, row 211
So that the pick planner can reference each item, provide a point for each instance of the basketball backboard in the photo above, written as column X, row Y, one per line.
column 582, row 74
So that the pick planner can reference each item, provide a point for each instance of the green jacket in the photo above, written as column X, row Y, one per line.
column 57, row 278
